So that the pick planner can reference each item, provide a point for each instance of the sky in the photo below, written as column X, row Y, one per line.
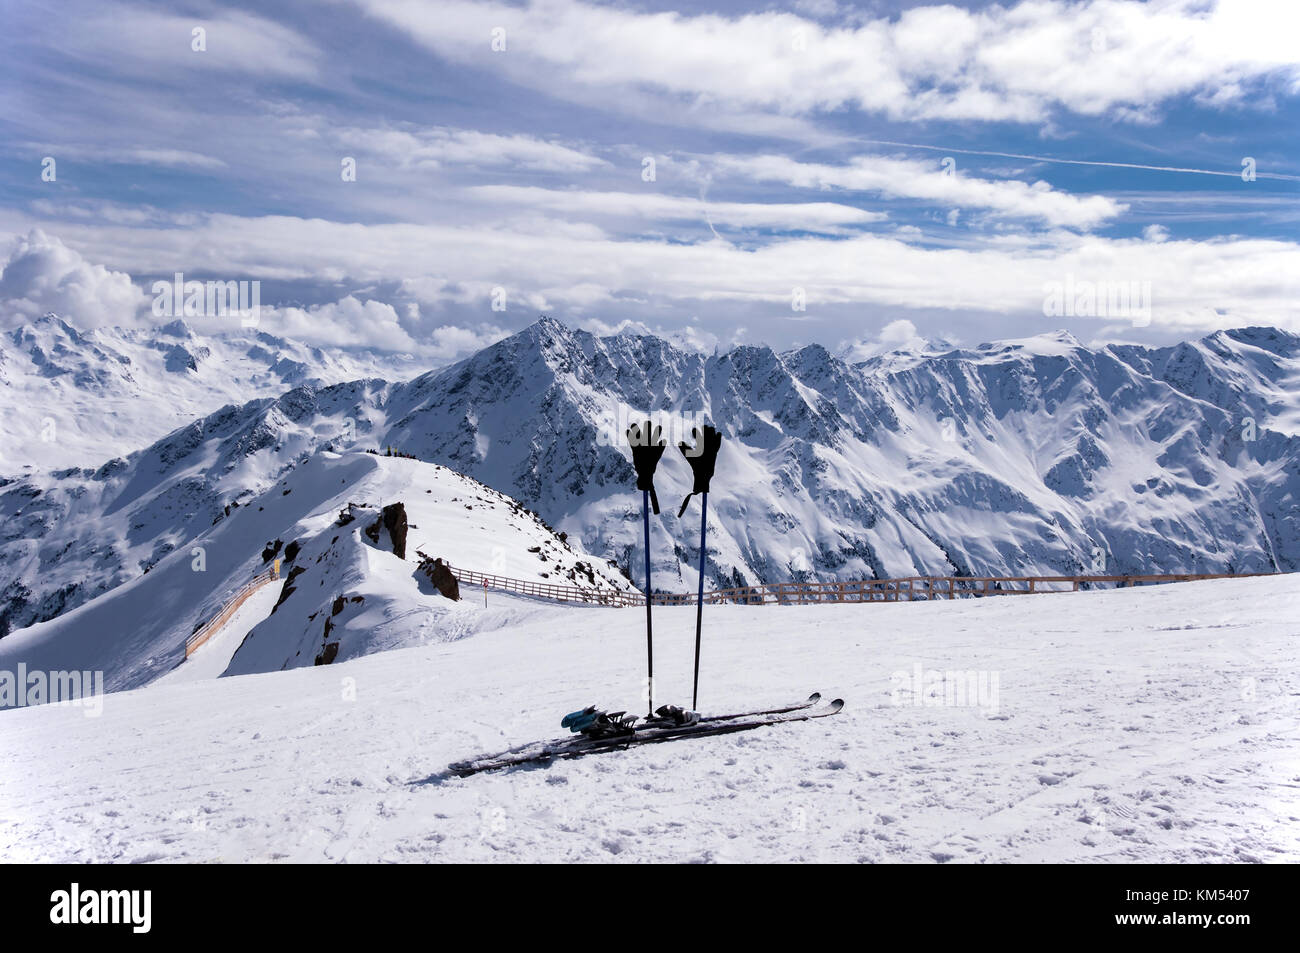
column 860, row 175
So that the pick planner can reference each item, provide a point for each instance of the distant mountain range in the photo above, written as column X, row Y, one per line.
column 70, row 397
column 1032, row 456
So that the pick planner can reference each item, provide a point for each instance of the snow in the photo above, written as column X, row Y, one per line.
column 1150, row 724
column 103, row 393
column 213, row 656
column 388, row 604
column 1140, row 725
column 1027, row 457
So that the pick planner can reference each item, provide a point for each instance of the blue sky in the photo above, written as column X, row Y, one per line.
column 900, row 169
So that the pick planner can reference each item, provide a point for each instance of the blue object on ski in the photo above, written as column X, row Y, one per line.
column 577, row 720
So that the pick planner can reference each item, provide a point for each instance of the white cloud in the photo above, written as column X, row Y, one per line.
column 898, row 332
column 168, row 158
column 896, row 335
column 1196, row 284
column 440, row 145
column 172, row 157
column 804, row 216
column 913, row 179
column 348, row 322
column 452, row 341
column 935, row 62
column 145, row 41
column 116, row 212
column 353, row 322
column 687, row 337
column 42, row 275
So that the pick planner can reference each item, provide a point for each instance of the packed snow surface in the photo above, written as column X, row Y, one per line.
column 1152, row 724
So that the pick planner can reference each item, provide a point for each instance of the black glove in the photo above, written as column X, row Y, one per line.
column 701, row 459
column 647, row 448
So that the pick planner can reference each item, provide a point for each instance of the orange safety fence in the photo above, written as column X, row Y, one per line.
column 228, row 609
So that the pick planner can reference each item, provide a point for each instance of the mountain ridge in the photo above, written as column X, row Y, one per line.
column 1039, row 455
column 70, row 397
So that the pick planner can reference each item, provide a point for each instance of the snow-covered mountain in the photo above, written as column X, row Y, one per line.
column 1032, row 456
column 350, row 585
column 1039, row 455
column 71, row 398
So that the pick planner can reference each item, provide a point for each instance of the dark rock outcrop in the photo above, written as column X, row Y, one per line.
column 395, row 523
column 440, row 575
column 393, row 519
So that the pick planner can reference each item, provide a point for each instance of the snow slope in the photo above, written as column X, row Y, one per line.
column 69, row 535
column 1140, row 725
column 213, row 657
column 136, row 632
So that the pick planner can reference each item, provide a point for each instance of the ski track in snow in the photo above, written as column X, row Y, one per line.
column 1126, row 731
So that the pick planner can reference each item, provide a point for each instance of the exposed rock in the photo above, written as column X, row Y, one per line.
column 440, row 575
column 393, row 519
column 395, row 523
column 287, row 589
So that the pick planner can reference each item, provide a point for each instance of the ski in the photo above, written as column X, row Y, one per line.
column 722, row 726
column 656, row 722
column 577, row 747
column 535, row 749
column 811, row 700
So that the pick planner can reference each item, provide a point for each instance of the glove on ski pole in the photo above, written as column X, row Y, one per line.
column 647, row 447
column 702, row 460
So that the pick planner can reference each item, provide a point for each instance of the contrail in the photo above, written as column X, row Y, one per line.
column 1112, row 165
column 704, row 192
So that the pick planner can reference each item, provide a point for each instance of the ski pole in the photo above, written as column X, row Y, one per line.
column 699, row 601
column 647, row 448
column 649, row 636
column 702, row 460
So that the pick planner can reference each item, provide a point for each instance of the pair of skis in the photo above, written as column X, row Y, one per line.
column 706, row 726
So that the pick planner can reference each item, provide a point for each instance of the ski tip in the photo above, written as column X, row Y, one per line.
column 836, row 705
column 814, row 698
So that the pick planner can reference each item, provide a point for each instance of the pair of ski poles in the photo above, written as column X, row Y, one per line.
column 647, row 448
